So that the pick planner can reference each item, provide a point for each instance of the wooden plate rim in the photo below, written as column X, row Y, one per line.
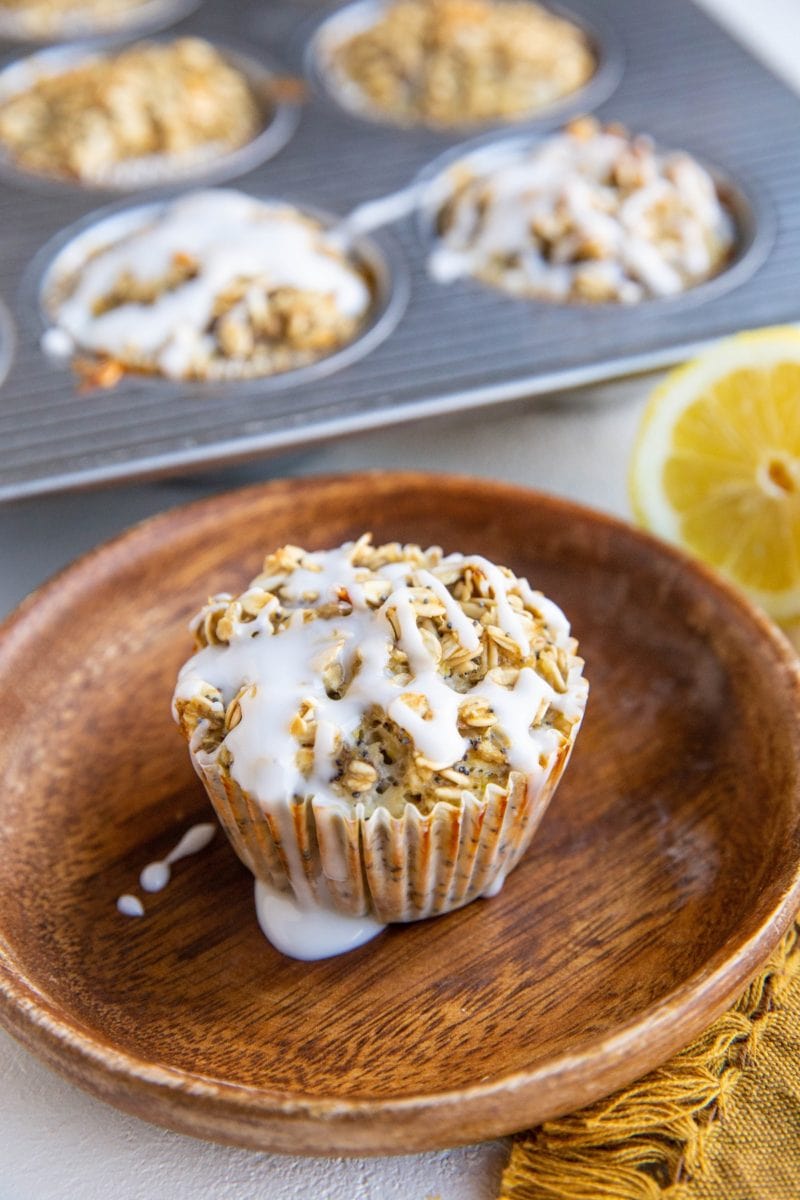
column 494, row 1107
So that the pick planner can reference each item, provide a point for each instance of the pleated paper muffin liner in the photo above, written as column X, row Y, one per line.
column 397, row 868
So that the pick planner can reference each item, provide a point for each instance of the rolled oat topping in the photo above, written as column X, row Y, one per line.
column 380, row 676
column 589, row 214
column 451, row 62
column 178, row 102
column 218, row 285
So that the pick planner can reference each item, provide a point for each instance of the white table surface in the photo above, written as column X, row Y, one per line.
column 56, row 1143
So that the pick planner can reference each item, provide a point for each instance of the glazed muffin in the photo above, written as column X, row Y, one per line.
column 456, row 62
column 588, row 214
column 215, row 285
column 380, row 728
column 155, row 107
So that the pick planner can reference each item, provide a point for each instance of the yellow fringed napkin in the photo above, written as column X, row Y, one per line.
column 719, row 1121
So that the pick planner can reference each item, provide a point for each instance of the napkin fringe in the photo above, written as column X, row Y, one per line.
column 648, row 1140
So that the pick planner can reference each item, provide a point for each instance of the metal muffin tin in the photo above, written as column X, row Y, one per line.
column 683, row 80
column 7, row 341
column 280, row 121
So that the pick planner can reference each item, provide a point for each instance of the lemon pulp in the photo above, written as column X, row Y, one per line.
column 717, row 464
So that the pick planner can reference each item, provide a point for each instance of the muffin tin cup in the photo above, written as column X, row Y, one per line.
column 397, row 869
column 65, row 253
column 746, row 203
column 281, row 119
column 7, row 342
column 319, row 39
column 147, row 17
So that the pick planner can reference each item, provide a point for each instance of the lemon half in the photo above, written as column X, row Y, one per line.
column 716, row 465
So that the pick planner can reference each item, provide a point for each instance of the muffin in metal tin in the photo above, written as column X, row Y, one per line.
column 592, row 214
column 450, row 63
column 50, row 20
column 149, row 112
column 214, row 285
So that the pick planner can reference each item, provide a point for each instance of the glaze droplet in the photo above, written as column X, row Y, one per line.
column 156, row 875
column 130, row 906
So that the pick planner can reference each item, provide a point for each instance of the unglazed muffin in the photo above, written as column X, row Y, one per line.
column 380, row 728
column 215, row 285
column 155, row 106
column 591, row 213
column 456, row 62
column 57, row 18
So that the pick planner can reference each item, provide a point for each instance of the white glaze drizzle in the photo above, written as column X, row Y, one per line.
column 281, row 671
column 156, row 875
column 498, row 584
column 130, row 906
column 230, row 236
column 462, row 625
column 564, row 180
column 309, row 933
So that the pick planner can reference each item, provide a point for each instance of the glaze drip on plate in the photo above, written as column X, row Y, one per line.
column 309, row 933
column 130, row 906
column 156, row 875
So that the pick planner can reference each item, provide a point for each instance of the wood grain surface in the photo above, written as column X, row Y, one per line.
column 662, row 875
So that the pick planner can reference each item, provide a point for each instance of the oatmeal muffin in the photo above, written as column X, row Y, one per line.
column 588, row 214
column 380, row 728
column 215, row 285
column 456, row 62
column 159, row 106
column 59, row 18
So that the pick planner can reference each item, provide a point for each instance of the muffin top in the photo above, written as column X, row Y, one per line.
column 451, row 62
column 175, row 102
column 590, row 214
column 375, row 676
column 215, row 285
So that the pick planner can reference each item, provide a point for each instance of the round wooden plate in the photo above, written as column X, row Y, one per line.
column 663, row 874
